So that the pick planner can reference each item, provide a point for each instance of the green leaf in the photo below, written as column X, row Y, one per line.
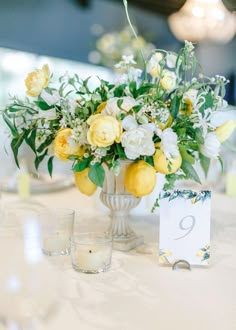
column 119, row 103
column 97, row 174
column 175, row 104
column 198, row 136
column 73, row 157
column 81, row 165
column 185, row 154
column 143, row 90
column 15, row 145
column 119, row 91
column 120, row 151
column 221, row 163
column 30, row 139
column 39, row 159
column 43, row 105
column 205, row 163
column 10, row 125
column 208, row 102
column 137, row 108
column 190, row 171
column 45, row 144
column 132, row 87
column 149, row 160
column 50, row 165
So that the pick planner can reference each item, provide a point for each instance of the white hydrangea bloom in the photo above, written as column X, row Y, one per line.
column 211, row 146
column 169, row 140
column 137, row 139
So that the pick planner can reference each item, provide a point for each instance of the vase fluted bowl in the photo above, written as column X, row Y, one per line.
column 115, row 196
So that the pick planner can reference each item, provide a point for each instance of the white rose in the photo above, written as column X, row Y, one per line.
column 169, row 142
column 153, row 66
column 211, row 146
column 137, row 140
column 112, row 108
column 168, row 80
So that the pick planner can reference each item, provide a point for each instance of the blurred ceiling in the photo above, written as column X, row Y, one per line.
column 162, row 7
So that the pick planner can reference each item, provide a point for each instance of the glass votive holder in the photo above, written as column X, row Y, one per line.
column 56, row 231
column 91, row 252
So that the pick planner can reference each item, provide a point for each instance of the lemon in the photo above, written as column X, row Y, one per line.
column 161, row 163
column 83, row 183
column 140, row 178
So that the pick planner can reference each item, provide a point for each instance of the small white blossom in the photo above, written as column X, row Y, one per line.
column 121, row 79
column 202, row 120
column 127, row 60
column 188, row 46
column 211, row 146
column 171, row 60
column 48, row 114
column 69, row 105
column 50, row 99
column 134, row 74
column 169, row 141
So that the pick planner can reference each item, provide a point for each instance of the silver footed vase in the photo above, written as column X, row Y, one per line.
column 115, row 196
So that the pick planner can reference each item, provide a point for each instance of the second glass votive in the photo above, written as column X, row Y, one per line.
column 57, row 227
column 91, row 252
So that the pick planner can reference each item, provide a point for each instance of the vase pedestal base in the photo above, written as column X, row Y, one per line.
column 127, row 244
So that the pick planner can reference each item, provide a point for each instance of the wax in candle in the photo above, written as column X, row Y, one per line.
column 91, row 258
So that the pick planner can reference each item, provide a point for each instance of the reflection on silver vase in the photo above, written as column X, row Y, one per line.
column 120, row 202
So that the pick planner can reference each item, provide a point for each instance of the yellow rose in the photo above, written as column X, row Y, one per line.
column 38, row 80
column 62, row 148
column 224, row 131
column 103, row 131
column 168, row 80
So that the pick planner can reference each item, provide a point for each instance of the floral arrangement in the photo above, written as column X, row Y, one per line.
column 110, row 48
column 159, row 118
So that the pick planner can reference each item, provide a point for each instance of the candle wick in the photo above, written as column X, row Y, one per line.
column 90, row 251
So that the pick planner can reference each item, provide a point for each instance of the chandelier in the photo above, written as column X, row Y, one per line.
column 201, row 20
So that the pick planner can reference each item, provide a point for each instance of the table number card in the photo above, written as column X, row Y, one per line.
column 185, row 227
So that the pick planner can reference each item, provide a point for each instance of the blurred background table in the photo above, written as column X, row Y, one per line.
column 136, row 293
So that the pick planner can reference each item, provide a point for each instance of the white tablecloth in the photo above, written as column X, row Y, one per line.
column 136, row 293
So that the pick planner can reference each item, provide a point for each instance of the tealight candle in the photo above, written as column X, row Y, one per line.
column 90, row 255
